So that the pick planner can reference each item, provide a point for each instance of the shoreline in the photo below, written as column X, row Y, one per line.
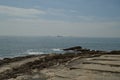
column 18, row 68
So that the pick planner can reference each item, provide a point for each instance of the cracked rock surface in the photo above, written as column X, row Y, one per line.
column 81, row 66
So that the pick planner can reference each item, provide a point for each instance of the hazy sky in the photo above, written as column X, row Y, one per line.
column 82, row 18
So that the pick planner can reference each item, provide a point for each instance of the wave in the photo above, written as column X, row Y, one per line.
column 57, row 49
column 35, row 53
column 32, row 52
column 43, row 51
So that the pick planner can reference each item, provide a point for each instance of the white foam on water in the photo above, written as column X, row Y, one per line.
column 35, row 53
column 32, row 52
column 57, row 49
column 43, row 51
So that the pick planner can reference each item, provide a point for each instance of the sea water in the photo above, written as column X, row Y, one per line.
column 20, row 46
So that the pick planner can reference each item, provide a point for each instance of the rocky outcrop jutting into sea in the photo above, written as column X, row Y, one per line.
column 84, row 65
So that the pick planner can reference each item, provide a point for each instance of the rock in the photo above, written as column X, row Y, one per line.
column 76, row 48
column 46, row 61
column 114, row 52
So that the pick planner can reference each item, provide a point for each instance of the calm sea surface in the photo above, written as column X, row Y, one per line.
column 19, row 46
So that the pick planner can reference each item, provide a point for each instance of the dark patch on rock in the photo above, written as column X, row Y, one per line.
column 73, row 48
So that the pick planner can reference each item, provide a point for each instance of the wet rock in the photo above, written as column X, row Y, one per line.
column 76, row 48
column 114, row 52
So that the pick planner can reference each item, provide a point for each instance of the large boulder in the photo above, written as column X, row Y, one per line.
column 76, row 48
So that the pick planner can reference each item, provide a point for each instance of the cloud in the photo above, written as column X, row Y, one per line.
column 31, row 12
column 87, row 18
column 20, row 12
column 61, row 12
column 73, row 11
column 56, row 12
column 34, row 12
column 52, row 13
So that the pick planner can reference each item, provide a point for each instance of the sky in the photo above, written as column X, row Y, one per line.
column 77, row 18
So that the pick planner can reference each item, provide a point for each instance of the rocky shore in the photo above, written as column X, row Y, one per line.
column 80, row 64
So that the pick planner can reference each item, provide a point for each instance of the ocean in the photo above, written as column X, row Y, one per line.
column 21, row 46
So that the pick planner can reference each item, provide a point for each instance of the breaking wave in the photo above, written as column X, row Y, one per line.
column 57, row 49
column 32, row 52
column 43, row 51
column 35, row 53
